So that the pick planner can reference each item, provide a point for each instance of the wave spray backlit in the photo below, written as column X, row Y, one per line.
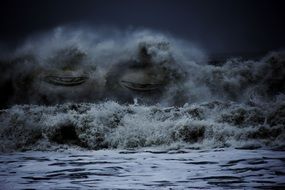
column 81, row 85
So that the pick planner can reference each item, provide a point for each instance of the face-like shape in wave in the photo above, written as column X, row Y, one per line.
column 142, row 79
column 68, row 76
column 127, row 81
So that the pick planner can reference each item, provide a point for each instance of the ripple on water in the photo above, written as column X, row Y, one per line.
column 144, row 169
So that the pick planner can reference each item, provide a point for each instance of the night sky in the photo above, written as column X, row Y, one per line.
column 218, row 26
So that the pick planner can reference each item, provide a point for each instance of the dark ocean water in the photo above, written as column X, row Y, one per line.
column 82, row 111
column 144, row 169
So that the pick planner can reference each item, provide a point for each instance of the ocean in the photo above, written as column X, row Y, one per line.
column 79, row 110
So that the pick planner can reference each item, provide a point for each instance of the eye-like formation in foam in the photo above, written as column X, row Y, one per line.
column 145, row 66
column 124, row 83
column 66, row 76
column 66, row 68
column 74, row 78
column 65, row 80
column 69, row 74
column 140, row 78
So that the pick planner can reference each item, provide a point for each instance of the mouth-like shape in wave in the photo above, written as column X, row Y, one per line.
column 65, row 80
column 140, row 86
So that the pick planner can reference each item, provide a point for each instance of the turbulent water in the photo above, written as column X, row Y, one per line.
column 81, row 110
column 112, row 125
column 144, row 169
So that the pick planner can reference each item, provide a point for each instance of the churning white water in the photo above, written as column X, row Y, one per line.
column 112, row 125
column 183, row 123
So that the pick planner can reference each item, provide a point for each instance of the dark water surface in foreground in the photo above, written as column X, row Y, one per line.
column 144, row 169
column 123, row 93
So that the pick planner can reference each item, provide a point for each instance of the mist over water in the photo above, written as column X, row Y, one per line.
column 107, row 88
column 85, row 108
column 97, row 55
column 102, row 58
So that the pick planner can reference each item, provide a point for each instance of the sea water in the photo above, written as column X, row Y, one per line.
column 227, row 132
column 222, row 168
column 211, row 145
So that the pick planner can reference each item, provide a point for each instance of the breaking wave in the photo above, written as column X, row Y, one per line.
column 81, row 88
column 112, row 125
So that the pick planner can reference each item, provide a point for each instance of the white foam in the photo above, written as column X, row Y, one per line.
column 112, row 125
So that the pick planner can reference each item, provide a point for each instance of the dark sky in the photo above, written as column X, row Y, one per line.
column 216, row 25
